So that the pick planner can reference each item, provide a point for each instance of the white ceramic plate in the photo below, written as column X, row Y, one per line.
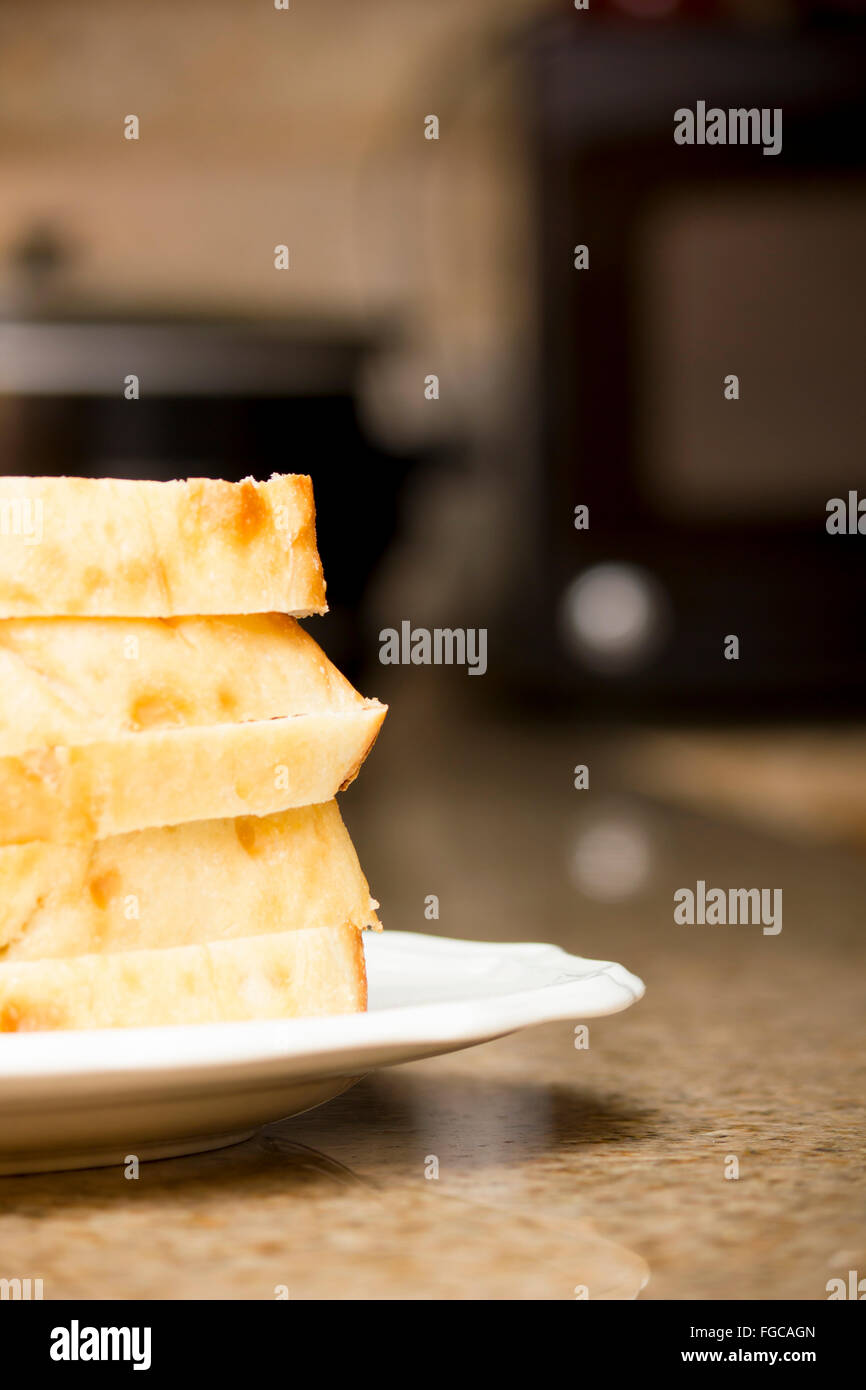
column 83, row 1099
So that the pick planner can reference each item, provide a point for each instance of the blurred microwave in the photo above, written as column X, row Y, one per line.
column 706, row 500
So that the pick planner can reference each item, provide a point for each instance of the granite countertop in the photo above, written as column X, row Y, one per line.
column 561, row 1171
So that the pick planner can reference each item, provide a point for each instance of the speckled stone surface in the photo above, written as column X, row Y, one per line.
column 560, row 1170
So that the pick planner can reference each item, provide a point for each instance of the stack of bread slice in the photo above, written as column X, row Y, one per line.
column 171, row 744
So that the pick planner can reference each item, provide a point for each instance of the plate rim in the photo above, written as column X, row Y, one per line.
column 186, row 1052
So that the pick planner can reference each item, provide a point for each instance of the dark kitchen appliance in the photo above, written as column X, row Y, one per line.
column 703, row 261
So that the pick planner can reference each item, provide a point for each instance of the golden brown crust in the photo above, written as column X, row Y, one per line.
column 118, row 547
column 360, row 969
column 350, row 777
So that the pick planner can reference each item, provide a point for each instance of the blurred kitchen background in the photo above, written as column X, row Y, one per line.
column 557, row 387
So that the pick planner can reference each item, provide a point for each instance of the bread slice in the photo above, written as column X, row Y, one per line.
column 109, row 725
column 101, row 547
column 296, row 974
column 182, row 885
column 81, row 680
